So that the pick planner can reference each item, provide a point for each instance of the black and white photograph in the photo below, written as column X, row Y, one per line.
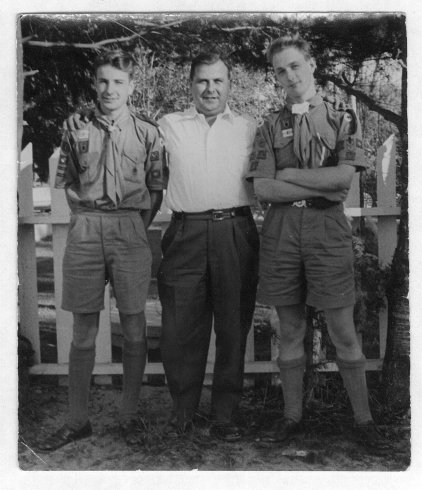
column 212, row 254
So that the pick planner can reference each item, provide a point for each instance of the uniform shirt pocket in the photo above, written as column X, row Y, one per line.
column 284, row 153
column 133, row 166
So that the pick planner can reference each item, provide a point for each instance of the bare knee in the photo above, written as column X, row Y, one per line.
column 133, row 326
column 343, row 334
column 85, row 329
column 292, row 331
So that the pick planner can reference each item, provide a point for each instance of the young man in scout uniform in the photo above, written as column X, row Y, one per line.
column 112, row 172
column 303, row 162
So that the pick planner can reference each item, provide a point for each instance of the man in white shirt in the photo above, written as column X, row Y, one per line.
column 210, row 250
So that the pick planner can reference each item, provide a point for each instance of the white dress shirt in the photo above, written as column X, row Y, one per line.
column 208, row 164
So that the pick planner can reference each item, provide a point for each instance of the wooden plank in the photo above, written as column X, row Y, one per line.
column 157, row 368
column 64, row 319
column 353, row 199
column 103, row 342
column 25, row 177
column 384, row 211
column 210, row 359
column 387, row 225
column 47, row 218
column 27, row 291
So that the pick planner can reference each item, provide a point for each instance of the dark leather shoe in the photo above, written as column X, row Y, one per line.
column 285, row 430
column 63, row 436
column 370, row 438
column 133, row 431
column 226, row 432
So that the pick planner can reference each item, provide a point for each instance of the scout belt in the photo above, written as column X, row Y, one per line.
column 214, row 214
column 316, row 202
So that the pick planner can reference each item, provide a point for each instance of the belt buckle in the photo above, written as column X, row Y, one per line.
column 300, row 204
column 218, row 215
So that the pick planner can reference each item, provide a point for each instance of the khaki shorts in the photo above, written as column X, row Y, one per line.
column 101, row 246
column 306, row 256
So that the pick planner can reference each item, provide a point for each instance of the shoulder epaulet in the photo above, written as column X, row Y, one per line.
column 143, row 117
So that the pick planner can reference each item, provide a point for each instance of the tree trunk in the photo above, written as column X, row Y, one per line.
column 396, row 367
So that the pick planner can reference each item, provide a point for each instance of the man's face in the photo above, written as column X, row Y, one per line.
column 295, row 73
column 113, row 88
column 210, row 88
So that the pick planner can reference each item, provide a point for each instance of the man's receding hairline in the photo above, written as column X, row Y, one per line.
column 211, row 64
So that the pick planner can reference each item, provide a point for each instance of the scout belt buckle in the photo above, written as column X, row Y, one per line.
column 299, row 204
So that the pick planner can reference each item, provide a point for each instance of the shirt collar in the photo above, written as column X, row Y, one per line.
column 192, row 113
column 313, row 102
column 106, row 121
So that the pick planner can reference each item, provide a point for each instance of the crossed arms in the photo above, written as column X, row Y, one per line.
column 292, row 184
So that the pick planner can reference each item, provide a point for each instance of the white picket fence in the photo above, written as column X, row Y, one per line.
column 386, row 214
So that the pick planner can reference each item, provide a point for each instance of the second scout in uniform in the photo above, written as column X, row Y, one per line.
column 303, row 162
column 112, row 172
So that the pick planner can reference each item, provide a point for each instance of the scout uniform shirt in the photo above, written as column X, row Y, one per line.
column 319, row 137
column 111, row 165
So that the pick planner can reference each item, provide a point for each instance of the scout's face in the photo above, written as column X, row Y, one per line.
column 211, row 88
column 113, row 88
column 295, row 73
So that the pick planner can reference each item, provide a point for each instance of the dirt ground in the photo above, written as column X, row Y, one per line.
column 324, row 445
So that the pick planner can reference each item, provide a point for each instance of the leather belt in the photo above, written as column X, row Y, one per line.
column 214, row 214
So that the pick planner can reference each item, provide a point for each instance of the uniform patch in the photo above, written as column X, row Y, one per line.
column 65, row 147
column 155, row 155
column 348, row 117
column 83, row 146
column 253, row 165
column 262, row 154
column 287, row 123
column 350, row 155
column 156, row 174
column 287, row 132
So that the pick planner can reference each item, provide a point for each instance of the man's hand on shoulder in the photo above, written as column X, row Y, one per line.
column 338, row 104
column 78, row 120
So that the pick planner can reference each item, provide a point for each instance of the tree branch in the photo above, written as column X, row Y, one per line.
column 366, row 99
column 99, row 44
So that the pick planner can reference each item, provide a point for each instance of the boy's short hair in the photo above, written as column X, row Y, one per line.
column 208, row 58
column 117, row 58
column 289, row 41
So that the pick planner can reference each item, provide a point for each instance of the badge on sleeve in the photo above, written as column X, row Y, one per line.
column 155, row 155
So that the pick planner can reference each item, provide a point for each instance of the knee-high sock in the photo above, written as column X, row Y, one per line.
column 291, row 375
column 134, row 359
column 81, row 365
column 354, row 379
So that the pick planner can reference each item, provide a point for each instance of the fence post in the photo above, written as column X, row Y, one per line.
column 27, row 264
column 387, row 225
column 60, row 214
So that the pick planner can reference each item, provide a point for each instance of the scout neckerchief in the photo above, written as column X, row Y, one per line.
column 302, row 133
column 111, row 156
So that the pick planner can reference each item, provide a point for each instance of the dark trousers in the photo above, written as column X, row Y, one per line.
column 209, row 272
